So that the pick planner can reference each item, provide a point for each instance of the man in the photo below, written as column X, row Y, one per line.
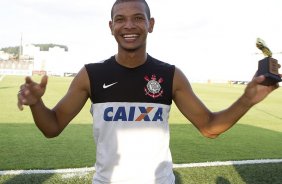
column 131, row 94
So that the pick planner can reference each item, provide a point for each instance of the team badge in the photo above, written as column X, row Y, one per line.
column 153, row 87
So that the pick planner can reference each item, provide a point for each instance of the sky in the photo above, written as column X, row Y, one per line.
column 205, row 39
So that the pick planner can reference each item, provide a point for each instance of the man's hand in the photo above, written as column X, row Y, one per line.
column 255, row 92
column 31, row 92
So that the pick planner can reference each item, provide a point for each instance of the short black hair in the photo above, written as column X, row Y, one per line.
column 148, row 12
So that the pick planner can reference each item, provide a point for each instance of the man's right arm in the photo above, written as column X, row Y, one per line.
column 51, row 122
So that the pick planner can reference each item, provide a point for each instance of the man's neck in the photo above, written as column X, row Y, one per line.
column 131, row 59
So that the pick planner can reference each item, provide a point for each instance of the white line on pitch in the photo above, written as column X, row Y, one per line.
column 227, row 163
column 90, row 169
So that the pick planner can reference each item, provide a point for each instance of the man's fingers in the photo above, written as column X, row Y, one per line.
column 20, row 106
column 30, row 92
column 44, row 81
column 22, row 87
column 259, row 79
column 28, row 80
column 23, row 92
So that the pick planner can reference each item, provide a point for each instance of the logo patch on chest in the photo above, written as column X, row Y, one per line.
column 132, row 113
column 153, row 87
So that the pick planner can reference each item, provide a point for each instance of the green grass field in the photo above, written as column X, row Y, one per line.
column 257, row 135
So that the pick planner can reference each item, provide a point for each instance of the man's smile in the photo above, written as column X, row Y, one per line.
column 130, row 37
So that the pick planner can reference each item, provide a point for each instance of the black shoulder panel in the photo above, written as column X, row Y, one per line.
column 148, row 83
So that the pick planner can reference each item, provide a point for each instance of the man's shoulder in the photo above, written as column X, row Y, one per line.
column 101, row 62
column 160, row 63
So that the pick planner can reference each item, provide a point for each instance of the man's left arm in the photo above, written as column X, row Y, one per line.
column 212, row 124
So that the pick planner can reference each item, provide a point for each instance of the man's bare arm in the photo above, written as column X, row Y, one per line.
column 211, row 124
column 52, row 121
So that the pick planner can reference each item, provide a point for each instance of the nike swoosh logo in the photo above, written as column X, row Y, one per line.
column 109, row 85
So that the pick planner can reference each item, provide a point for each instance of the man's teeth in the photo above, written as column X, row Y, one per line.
column 130, row 36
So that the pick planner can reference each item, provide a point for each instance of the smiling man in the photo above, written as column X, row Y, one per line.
column 131, row 94
column 130, row 25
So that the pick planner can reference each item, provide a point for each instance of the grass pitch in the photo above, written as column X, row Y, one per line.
column 257, row 135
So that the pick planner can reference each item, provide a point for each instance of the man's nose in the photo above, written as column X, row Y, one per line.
column 129, row 24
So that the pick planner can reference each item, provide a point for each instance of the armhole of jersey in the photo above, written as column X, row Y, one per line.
column 91, row 78
column 87, row 67
column 172, row 79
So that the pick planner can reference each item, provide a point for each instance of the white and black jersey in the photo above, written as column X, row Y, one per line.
column 130, row 108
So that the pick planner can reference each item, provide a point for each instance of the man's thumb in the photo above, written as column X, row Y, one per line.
column 44, row 81
column 259, row 79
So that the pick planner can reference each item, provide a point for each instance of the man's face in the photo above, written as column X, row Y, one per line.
column 130, row 25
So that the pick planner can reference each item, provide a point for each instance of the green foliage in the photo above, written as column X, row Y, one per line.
column 45, row 47
column 11, row 50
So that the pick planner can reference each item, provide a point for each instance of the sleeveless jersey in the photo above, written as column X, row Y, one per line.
column 130, row 108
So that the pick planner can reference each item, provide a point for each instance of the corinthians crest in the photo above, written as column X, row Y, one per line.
column 153, row 87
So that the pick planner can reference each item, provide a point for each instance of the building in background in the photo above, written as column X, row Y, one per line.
column 34, row 61
column 4, row 56
column 9, row 65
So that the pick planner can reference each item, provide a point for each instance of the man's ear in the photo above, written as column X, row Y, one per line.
column 151, row 25
column 111, row 26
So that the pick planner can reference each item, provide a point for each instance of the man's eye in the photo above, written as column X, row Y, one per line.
column 138, row 18
column 118, row 20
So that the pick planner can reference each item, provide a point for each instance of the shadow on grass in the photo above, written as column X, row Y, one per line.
column 261, row 173
column 178, row 179
column 24, row 147
column 28, row 179
column 222, row 180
